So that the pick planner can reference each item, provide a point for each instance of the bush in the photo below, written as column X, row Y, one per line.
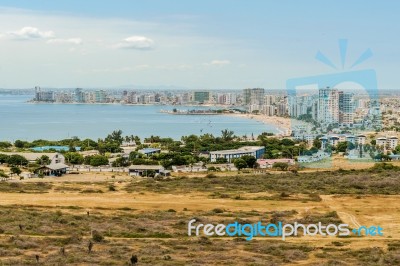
column 97, row 236
column 282, row 166
column 218, row 210
column 16, row 159
column 96, row 160
column 211, row 176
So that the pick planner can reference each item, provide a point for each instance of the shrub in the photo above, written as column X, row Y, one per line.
column 218, row 210
column 211, row 176
column 97, row 236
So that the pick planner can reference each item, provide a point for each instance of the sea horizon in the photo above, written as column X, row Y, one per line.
column 29, row 121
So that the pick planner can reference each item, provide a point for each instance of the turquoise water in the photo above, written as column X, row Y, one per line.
column 28, row 121
column 56, row 148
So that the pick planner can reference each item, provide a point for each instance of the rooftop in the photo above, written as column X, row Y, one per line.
column 31, row 156
column 146, row 167
column 245, row 149
column 149, row 150
column 57, row 166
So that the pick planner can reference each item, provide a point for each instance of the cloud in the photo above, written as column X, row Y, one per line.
column 217, row 63
column 76, row 41
column 30, row 33
column 220, row 62
column 136, row 42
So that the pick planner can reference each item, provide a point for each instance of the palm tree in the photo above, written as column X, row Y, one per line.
column 227, row 135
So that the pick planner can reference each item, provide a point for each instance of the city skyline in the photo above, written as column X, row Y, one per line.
column 189, row 45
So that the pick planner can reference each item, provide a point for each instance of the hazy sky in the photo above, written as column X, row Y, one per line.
column 212, row 44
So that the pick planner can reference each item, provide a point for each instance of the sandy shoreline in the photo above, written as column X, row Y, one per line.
column 282, row 124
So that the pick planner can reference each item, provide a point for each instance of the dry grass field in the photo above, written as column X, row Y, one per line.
column 51, row 221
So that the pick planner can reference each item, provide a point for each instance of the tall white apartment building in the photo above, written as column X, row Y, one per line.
column 328, row 106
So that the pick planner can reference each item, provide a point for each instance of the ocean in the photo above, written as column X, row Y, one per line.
column 28, row 121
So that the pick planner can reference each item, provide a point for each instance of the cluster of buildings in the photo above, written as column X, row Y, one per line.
column 77, row 96
column 257, row 101
column 138, row 97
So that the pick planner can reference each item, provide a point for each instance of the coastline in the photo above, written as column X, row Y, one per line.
column 282, row 124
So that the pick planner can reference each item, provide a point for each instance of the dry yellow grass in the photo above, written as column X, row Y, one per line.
column 66, row 191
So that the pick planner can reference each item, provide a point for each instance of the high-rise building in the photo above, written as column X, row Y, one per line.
column 269, row 99
column 230, row 99
column 254, row 99
column 100, row 96
column 269, row 110
column 281, row 109
column 328, row 106
column 346, row 108
column 201, row 96
column 79, row 96
column 43, row 96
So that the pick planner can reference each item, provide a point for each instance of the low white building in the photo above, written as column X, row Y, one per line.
column 229, row 155
column 55, row 157
column 268, row 163
column 313, row 158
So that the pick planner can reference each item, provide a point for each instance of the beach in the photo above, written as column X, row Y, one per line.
column 282, row 124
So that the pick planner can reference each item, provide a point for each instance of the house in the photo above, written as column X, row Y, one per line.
column 334, row 140
column 351, row 139
column 149, row 151
column 360, row 139
column 229, row 155
column 147, row 170
column 381, row 142
column 268, row 163
column 392, row 142
column 55, row 157
column 57, row 169
column 189, row 168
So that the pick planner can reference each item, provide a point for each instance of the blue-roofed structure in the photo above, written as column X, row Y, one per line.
column 149, row 151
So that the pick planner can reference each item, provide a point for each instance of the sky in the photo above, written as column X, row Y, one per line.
column 208, row 44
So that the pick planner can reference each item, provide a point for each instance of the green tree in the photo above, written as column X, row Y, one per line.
column 20, row 144
column 88, row 144
column 43, row 160
column 281, row 165
column 221, row 160
column 115, row 136
column 227, row 135
column 250, row 160
column 317, row 143
column 5, row 144
column 121, row 162
column 342, row 146
column 287, row 142
column 240, row 163
column 396, row 150
column 3, row 158
column 15, row 170
column 2, row 174
column 97, row 160
column 74, row 158
column 16, row 159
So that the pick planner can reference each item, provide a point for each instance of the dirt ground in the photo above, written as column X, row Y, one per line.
column 67, row 194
